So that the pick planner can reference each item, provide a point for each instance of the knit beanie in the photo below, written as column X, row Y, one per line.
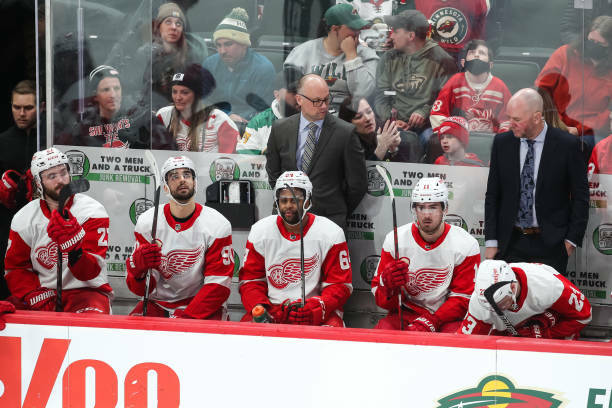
column 169, row 10
column 233, row 27
column 196, row 78
column 455, row 126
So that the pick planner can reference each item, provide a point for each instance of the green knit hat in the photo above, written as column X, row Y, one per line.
column 233, row 27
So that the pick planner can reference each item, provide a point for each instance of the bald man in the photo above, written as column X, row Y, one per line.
column 327, row 149
column 537, row 200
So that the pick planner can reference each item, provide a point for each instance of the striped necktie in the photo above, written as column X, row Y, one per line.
column 525, row 215
column 309, row 148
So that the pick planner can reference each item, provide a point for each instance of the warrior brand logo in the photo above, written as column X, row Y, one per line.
column 602, row 239
column 79, row 163
column 224, row 168
column 456, row 220
column 47, row 255
column 179, row 261
column 411, row 86
column 288, row 272
column 139, row 206
column 497, row 391
column 368, row 268
column 376, row 184
column 426, row 280
column 450, row 25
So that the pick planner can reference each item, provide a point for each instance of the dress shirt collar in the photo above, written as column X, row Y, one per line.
column 304, row 122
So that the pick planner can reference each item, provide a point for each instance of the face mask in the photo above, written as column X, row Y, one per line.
column 287, row 109
column 594, row 50
column 477, row 66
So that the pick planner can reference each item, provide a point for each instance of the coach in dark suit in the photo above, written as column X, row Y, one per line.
column 322, row 146
column 537, row 200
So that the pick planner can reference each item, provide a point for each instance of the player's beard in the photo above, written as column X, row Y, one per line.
column 183, row 196
column 430, row 228
column 292, row 219
column 52, row 194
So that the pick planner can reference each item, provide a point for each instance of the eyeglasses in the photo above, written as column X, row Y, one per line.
column 317, row 102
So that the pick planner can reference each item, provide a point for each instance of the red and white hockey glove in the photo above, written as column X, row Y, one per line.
column 538, row 326
column 42, row 299
column 312, row 314
column 280, row 313
column 68, row 233
column 394, row 275
column 145, row 257
column 423, row 324
column 29, row 182
column 5, row 307
column 8, row 188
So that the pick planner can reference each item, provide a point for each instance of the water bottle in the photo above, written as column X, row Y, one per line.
column 261, row 315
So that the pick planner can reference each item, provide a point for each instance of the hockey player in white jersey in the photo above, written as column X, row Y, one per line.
column 37, row 230
column 538, row 302
column 270, row 274
column 434, row 269
column 192, row 260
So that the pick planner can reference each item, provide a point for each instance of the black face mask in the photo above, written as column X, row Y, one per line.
column 477, row 66
column 595, row 50
column 286, row 109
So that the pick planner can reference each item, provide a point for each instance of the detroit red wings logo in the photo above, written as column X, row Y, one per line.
column 426, row 280
column 287, row 272
column 47, row 255
column 178, row 261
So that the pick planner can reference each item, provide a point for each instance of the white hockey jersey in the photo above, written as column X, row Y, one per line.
column 440, row 274
column 219, row 134
column 196, row 255
column 270, row 271
column 542, row 289
column 31, row 257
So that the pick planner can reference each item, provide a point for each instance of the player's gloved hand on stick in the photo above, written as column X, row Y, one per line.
column 280, row 313
column 5, row 307
column 394, row 275
column 68, row 233
column 538, row 326
column 8, row 188
column 145, row 257
column 42, row 299
column 423, row 324
column 312, row 314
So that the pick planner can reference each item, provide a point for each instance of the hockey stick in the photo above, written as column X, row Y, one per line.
column 488, row 294
column 156, row 181
column 300, row 214
column 383, row 173
column 75, row 186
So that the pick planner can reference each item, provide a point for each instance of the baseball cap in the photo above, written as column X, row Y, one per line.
column 409, row 20
column 344, row 14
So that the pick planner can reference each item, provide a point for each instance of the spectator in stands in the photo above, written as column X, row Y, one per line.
column 324, row 147
column 575, row 19
column 454, row 138
column 172, row 49
column 581, row 85
column 380, row 142
column 193, row 125
column 18, row 145
column 272, row 256
column 601, row 157
column 106, row 124
column 242, row 74
column 255, row 138
column 551, row 114
column 410, row 76
column 455, row 22
column 337, row 54
column 474, row 94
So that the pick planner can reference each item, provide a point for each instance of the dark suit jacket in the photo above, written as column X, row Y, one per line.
column 562, row 192
column 337, row 170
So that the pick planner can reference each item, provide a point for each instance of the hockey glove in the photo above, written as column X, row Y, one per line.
column 145, row 257
column 8, row 188
column 5, row 307
column 280, row 313
column 312, row 314
column 29, row 181
column 42, row 299
column 68, row 233
column 538, row 326
column 394, row 275
column 423, row 324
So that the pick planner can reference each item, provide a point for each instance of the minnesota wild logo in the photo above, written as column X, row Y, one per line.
column 496, row 391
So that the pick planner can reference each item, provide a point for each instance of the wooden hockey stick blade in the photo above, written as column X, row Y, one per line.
column 153, row 167
column 488, row 294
